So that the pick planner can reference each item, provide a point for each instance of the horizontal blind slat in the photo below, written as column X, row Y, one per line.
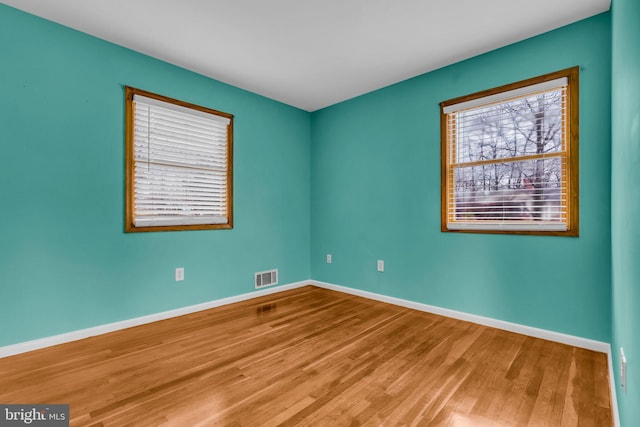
column 142, row 221
column 152, row 102
column 507, row 95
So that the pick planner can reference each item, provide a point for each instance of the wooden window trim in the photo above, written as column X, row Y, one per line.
column 130, row 162
column 571, row 138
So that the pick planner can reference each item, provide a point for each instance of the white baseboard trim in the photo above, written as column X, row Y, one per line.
column 37, row 344
column 612, row 387
column 589, row 344
column 487, row 321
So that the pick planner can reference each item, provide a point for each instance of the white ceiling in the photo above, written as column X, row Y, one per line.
column 312, row 54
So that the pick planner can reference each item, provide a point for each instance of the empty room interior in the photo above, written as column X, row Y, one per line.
column 384, row 213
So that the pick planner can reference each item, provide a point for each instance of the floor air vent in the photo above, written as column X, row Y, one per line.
column 266, row 278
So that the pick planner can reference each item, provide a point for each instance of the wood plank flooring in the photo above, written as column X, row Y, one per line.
column 314, row 357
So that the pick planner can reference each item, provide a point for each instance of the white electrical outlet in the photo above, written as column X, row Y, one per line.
column 328, row 258
column 380, row 265
column 179, row 274
column 623, row 370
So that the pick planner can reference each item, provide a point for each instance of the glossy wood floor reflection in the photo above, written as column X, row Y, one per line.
column 314, row 357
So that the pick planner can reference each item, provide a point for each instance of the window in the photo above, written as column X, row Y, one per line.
column 509, row 158
column 179, row 172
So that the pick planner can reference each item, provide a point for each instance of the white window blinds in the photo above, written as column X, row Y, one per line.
column 507, row 160
column 180, row 164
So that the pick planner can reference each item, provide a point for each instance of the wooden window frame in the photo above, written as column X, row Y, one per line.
column 571, row 137
column 130, row 164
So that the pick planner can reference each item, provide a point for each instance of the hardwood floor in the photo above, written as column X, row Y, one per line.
column 314, row 357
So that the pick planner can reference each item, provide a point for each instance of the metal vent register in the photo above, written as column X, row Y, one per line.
column 266, row 278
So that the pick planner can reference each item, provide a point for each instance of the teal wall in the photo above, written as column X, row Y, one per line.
column 65, row 262
column 359, row 180
column 375, row 194
column 625, row 201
